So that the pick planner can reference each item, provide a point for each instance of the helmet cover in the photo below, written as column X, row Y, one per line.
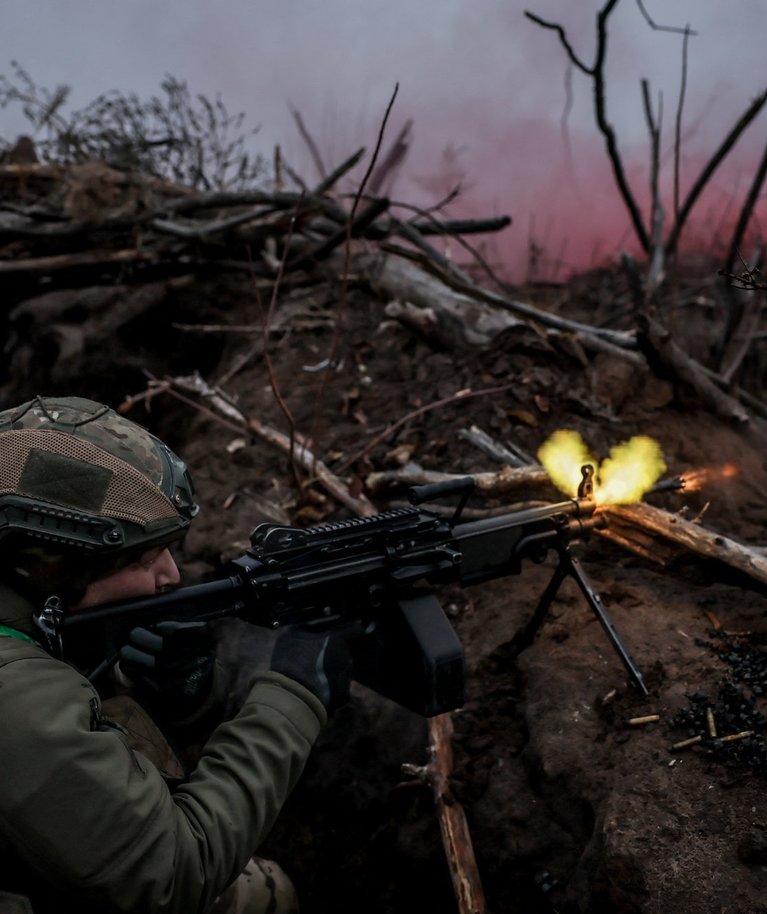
column 76, row 473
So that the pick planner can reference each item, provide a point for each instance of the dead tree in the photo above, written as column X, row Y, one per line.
column 596, row 72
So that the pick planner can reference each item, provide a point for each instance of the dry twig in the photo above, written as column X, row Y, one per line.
column 492, row 485
column 220, row 407
column 459, row 395
column 456, row 837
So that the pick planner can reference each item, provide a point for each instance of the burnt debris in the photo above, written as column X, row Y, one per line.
column 730, row 728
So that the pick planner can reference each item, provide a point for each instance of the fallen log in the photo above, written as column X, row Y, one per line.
column 467, row 313
column 643, row 525
column 454, row 317
column 527, row 312
column 669, row 360
column 462, row 226
column 83, row 259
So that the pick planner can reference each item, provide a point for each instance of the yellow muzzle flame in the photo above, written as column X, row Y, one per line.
column 631, row 469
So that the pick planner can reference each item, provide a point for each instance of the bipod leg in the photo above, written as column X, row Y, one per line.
column 527, row 635
column 573, row 568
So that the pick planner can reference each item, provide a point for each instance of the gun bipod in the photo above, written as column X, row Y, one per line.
column 569, row 566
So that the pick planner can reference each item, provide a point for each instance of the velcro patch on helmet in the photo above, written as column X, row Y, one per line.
column 64, row 481
column 128, row 494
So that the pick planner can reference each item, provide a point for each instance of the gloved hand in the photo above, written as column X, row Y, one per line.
column 319, row 660
column 173, row 661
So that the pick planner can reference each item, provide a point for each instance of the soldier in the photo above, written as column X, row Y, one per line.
column 96, row 809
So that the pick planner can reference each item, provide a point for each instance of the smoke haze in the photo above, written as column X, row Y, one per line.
column 494, row 103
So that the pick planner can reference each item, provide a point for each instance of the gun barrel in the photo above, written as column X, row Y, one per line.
column 574, row 507
column 496, row 546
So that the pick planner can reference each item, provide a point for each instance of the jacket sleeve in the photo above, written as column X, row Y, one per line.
column 98, row 820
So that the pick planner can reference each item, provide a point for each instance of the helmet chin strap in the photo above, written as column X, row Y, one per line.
column 50, row 622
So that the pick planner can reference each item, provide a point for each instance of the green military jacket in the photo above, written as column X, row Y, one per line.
column 96, row 819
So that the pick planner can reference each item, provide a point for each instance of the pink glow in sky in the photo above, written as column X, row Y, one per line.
column 478, row 79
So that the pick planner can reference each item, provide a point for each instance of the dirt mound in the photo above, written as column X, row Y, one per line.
column 571, row 806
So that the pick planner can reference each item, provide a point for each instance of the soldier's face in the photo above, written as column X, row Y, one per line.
column 154, row 572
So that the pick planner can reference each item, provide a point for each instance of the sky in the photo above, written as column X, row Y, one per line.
column 493, row 101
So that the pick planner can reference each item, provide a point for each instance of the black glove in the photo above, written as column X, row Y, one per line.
column 319, row 661
column 173, row 661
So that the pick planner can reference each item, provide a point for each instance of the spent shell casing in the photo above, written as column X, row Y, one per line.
column 733, row 737
column 647, row 719
column 692, row 741
column 711, row 722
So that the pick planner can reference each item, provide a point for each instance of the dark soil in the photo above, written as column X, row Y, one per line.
column 571, row 809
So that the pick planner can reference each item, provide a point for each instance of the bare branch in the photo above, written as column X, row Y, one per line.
column 309, row 140
column 456, row 837
column 656, row 261
column 220, row 406
column 267, row 323
column 607, row 130
column 339, row 172
column 458, row 396
column 695, row 191
column 345, row 274
column 668, row 359
column 746, row 212
column 661, row 28
column 555, row 27
column 393, row 158
column 454, row 227
column 564, row 120
column 678, row 127
column 596, row 72
column 507, row 480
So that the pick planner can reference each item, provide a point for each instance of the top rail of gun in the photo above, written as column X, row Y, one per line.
column 273, row 538
column 270, row 539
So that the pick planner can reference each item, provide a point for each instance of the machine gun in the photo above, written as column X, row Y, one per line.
column 376, row 575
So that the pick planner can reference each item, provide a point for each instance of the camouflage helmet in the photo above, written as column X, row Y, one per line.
column 75, row 474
